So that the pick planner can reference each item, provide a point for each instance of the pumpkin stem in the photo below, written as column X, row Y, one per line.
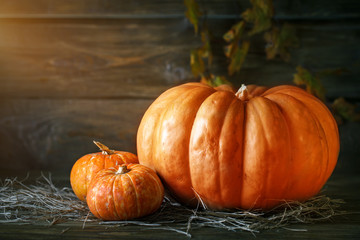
column 122, row 169
column 105, row 150
column 242, row 93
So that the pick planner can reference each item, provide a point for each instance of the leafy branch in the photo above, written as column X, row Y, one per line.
column 344, row 110
column 279, row 40
column 255, row 20
column 341, row 109
column 193, row 13
column 311, row 82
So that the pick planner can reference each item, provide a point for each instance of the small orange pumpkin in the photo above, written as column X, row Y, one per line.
column 125, row 192
column 249, row 149
column 87, row 166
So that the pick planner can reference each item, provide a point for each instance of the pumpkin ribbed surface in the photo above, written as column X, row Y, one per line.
column 115, row 194
column 232, row 152
column 86, row 167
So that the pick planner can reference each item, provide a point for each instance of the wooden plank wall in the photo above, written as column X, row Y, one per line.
column 74, row 71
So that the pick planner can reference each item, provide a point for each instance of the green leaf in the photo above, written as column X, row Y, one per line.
column 227, row 50
column 312, row 83
column 279, row 41
column 260, row 15
column 287, row 40
column 238, row 57
column 345, row 110
column 230, row 50
column 199, row 55
column 233, row 37
column 206, row 47
column 197, row 63
column 272, row 40
column 215, row 81
column 235, row 32
column 193, row 13
column 220, row 80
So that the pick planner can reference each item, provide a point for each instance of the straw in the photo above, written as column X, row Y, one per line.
column 42, row 201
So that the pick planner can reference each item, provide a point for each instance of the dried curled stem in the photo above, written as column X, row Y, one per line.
column 122, row 169
column 105, row 150
column 242, row 93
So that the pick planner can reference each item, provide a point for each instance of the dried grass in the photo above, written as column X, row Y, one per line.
column 43, row 201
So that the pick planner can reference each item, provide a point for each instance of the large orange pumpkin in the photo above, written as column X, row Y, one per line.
column 250, row 149
column 125, row 192
column 87, row 166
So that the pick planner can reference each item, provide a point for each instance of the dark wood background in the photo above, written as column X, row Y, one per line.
column 76, row 71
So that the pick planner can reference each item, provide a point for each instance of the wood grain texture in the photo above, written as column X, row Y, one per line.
column 142, row 58
column 285, row 9
column 53, row 134
column 91, row 59
column 337, row 230
column 69, row 70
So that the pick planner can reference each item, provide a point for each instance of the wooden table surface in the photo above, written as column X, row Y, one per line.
column 340, row 186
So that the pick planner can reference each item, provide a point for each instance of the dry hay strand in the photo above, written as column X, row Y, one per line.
column 43, row 201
